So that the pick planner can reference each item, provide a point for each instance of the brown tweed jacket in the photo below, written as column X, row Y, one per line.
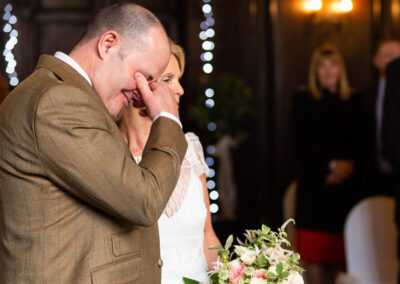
column 75, row 207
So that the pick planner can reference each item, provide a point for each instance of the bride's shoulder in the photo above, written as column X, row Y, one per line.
column 194, row 142
column 191, row 137
column 194, row 154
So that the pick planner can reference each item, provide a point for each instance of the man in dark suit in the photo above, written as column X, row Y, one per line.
column 391, row 130
column 382, row 172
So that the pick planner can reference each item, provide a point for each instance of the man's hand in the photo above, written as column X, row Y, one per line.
column 156, row 97
column 341, row 170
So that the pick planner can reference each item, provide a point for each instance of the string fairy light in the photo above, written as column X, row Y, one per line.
column 10, row 20
column 206, row 35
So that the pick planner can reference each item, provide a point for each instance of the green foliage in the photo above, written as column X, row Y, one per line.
column 214, row 278
column 262, row 262
column 216, row 247
column 190, row 281
column 233, row 110
column 229, row 242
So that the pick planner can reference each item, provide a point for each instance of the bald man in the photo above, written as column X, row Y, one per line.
column 75, row 207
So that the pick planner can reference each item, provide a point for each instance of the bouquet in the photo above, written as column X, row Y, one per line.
column 262, row 258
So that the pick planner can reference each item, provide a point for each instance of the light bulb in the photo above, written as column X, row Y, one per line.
column 313, row 5
column 346, row 5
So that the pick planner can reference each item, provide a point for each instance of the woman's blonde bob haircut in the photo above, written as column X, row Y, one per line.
column 179, row 54
column 328, row 51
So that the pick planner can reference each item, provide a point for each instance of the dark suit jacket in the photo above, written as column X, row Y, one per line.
column 75, row 207
column 378, row 182
column 369, row 100
column 391, row 119
column 391, row 124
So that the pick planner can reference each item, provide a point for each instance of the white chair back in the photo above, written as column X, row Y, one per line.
column 371, row 242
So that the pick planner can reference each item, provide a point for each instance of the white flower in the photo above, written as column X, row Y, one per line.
column 258, row 281
column 240, row 250
column 234, row 264
column 246, row 255
column 249, row 258
column 272, row 269
column 294, row 278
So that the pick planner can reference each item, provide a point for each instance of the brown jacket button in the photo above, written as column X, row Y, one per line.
column 159, row 263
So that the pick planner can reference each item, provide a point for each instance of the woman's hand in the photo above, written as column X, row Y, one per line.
column 341, row 170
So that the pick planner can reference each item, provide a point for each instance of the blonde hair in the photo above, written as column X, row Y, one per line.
column 179, row 54
column 331, row 52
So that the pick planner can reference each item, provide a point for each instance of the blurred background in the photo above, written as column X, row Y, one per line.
column 245, row 60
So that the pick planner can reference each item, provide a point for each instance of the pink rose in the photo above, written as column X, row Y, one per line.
column 236, row 271
column 278, row 254
column 259, row 274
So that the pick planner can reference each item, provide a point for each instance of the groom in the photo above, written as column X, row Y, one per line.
column 75, row 208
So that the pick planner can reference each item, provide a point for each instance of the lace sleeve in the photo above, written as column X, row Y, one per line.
column 196, row 157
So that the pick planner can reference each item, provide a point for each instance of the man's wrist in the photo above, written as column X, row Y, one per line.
column 168, row 115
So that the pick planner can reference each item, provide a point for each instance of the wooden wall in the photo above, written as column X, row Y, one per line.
column 46, row 26
column 242, row 49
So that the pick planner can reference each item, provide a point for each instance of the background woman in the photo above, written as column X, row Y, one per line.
column 328, row 141
column 185, row 226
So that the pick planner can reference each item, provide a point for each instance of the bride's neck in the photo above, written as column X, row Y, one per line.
column 136, row 130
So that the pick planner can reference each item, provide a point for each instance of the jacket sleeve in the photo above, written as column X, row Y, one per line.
column 81, row 154
column 391, row 115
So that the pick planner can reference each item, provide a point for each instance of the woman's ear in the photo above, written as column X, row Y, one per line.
column 108, row 44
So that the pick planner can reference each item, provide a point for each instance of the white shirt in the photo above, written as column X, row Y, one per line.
column 65, row 58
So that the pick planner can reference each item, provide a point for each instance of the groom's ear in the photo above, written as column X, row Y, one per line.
column 108, row 44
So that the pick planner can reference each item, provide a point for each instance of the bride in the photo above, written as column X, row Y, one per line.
column 185, row 227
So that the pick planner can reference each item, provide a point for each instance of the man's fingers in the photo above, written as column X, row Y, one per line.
column 142, row 85
column 154, row 85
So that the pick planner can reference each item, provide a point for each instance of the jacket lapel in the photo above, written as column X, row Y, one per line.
column 71, row 77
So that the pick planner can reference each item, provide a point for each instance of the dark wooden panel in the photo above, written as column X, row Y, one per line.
column 58, row 37
column 46, row 26
column 155, row 5
column 62, row 4
column 25, row 50
column 240, row 49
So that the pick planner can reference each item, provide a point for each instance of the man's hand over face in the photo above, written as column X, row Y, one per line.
column 156, row 97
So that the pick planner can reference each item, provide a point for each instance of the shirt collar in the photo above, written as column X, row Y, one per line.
column 65, row 58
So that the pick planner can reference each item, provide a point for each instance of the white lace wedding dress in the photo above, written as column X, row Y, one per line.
column 181, row 225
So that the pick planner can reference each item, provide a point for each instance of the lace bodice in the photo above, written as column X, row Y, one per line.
column 181, row 226
column 192, row 163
